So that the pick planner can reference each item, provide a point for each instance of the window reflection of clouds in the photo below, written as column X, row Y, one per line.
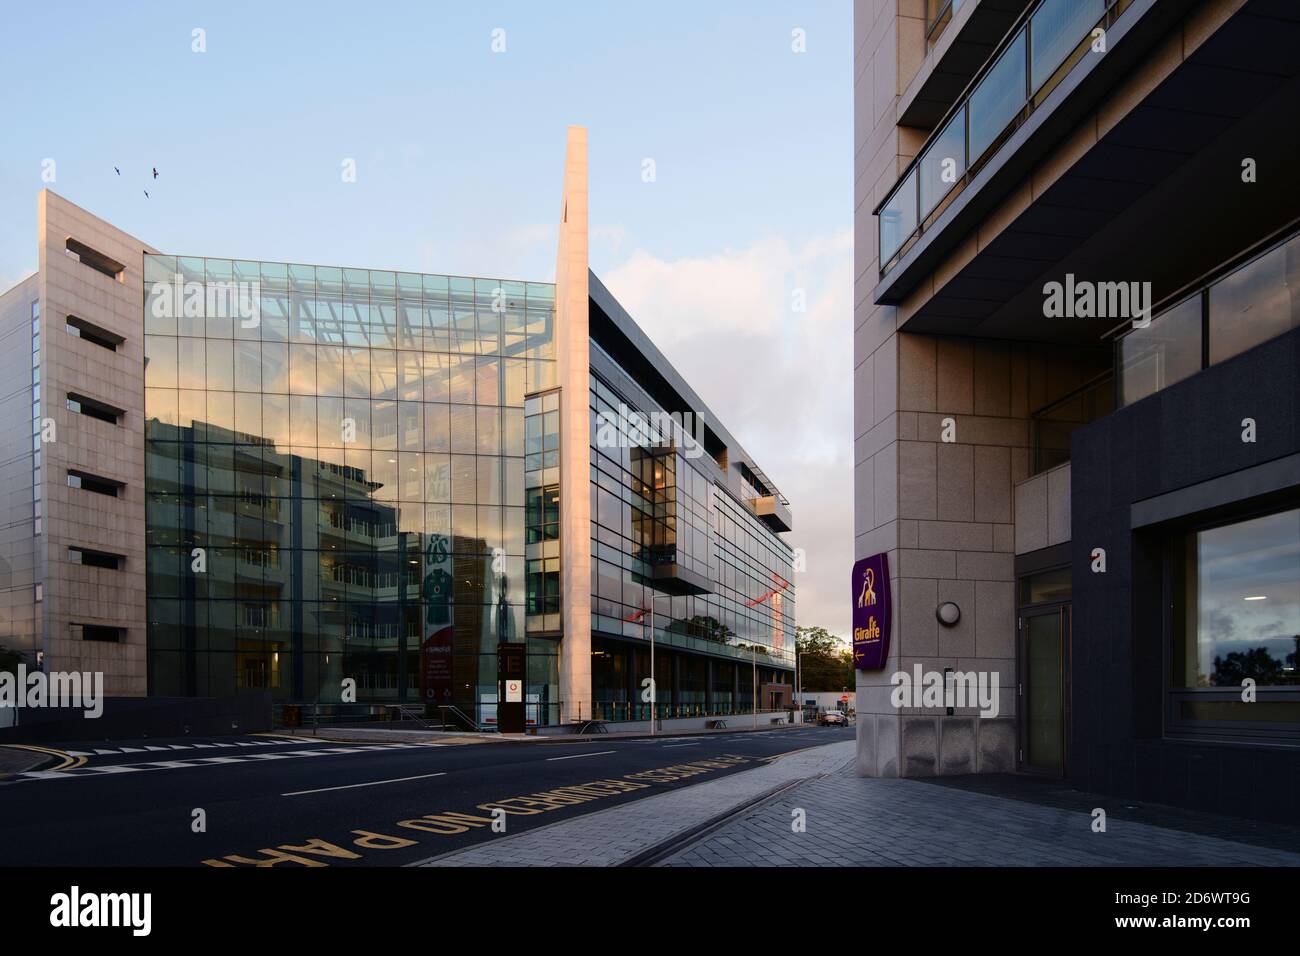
column 1252, row 559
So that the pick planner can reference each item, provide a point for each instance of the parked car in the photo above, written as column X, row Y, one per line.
column 829, row 717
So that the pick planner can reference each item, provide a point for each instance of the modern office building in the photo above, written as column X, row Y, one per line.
column 1077, row 389
column 223, row 475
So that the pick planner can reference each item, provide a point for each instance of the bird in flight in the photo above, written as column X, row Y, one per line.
column 116, row 170
column 146, row 194
column 155, row 172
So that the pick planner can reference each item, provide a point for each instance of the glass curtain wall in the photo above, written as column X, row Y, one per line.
column 335, row 478
column 654, row 505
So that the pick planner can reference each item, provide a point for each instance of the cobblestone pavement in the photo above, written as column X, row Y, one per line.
column 609, row 837
column 855, row 821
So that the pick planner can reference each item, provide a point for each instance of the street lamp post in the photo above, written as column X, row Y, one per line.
column 654, row 687
column 798, row 682
column 654, row 684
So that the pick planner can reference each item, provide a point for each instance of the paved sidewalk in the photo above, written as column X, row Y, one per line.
column 609, row 837
column 856, row 821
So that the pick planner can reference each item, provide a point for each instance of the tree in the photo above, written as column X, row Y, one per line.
column 825, row 664
column 9, row 660
column 1257, row 664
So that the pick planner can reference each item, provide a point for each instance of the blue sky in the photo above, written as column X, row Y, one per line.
column 459, row 154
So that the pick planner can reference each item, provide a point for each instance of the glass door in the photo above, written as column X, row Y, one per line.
column 1044, row 709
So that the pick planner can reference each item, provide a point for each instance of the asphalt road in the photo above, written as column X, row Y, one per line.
column 266, row 798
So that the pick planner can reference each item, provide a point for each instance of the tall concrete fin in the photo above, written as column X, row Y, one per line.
column 573, row 355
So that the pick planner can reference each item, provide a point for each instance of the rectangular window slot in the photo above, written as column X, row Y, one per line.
column 93, row 334
column 88, row 482
column 95, row 259
column 96, row 559
column 97, row 632
column 95, row 409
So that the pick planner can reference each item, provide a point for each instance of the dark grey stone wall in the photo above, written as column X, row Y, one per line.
column 1185, row 435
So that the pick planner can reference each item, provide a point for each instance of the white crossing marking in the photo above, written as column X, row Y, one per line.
column 116, row 768
column 323, row 750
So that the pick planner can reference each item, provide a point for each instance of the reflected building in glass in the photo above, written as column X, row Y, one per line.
column 335, row 485
column 349, row 487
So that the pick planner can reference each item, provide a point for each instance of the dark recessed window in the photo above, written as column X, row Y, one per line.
column 88, row 482
column 94, row 408
column 96, row 559
column 93, row 334
column 1045, row 587
column 97, row 632
column 95, row 259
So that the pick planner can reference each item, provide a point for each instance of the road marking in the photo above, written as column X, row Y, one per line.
column 74, row 766
column 600, row 753
column 118, row 768
column 672, row 746
column 353, row 786
column 70, row 759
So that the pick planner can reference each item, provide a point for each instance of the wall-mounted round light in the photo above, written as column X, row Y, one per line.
column 948, row 613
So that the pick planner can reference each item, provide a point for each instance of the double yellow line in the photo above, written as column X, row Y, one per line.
column 69, row 761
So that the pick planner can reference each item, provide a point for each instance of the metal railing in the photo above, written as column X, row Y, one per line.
column 461, row 720
column 1041, row 47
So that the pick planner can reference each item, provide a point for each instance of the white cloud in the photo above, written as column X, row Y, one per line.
column 780, row 380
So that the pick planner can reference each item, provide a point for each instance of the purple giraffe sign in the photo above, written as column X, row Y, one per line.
column 871, row 612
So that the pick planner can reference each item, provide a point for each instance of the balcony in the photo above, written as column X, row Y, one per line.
column 773, row 511
column 1030, row 62
column 669, row 575
column 762, row 498
column 1092, row 174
